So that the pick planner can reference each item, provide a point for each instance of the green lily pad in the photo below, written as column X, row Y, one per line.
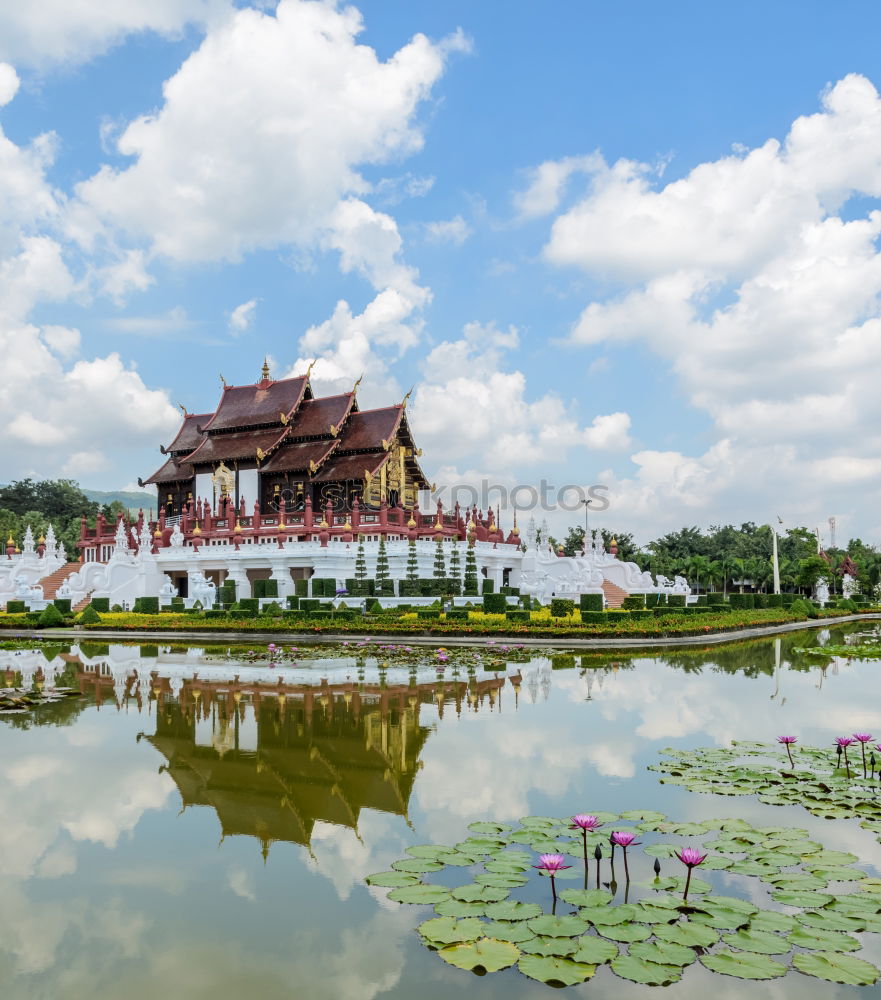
column 663, row 953
column 836, row 968
column 659, row 850
column 743, row 965
column 457, row 859
column 460, row 908
column 514, row 931
column 487, row 954
column 649, row 914
column 420, row 894
column 550, row 926
column 817, row 940
column 838, row 873
column 688, row 934
column 446, row 930
column 392, row 880
column 416, row 866
column 607, row 915
column 480, row 846
column 643, row 814
column 638, row 970
column 802, row 899
column 856, row 904
column 748, row 867
column 825, row 857
column 430, row 851
column 472, row 893
column 730, row 903
column 511, row 910
column 555, row 971
column 624, row 932
column 771, row 920
column 496, row 881
column 492, row 828
column 594, row 950
column 560, row 947
column 586, row 897
column 505, row 867
column 760, row 942
column 830, row 920
column 538, row 821
column 715, row 862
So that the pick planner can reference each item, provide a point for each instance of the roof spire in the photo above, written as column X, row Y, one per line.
column 265, row 371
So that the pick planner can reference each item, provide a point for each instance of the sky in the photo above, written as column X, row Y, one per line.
column 631, row 246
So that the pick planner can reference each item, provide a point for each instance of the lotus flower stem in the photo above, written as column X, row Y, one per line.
column 687, row 884
column 623, row 839
column 787, row 741
column 551, row 863
column 843, row 742
column 863, row 739
column 598, row 855
column 691, row 858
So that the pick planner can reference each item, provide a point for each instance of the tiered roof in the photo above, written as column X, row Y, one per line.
column 282, row 427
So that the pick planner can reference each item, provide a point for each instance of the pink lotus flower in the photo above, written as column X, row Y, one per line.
column 584, row 822
column 843, row 741
column 691, row 858
column 551, row 863
column 787, row 741
column 863, row 739
column 622, row 838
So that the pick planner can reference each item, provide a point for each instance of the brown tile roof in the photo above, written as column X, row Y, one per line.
column 293, row 457
column 172, row 472
column 253, row 405
column 350, row 467
column 187, row 437
column 367, row 429
column 315, row 416
column 240, row 444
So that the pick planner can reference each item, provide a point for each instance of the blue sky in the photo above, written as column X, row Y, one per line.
column 563, row 225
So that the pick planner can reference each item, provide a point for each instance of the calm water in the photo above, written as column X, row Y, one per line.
column 183, row 832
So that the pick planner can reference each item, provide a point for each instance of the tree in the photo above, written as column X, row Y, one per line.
column 470, row 582
column 698, row 566
column 811, row 570
column 412, row 562
column 383, row 573
column 360, row 568
column 573, row 543
column 456, row 564
column 440, row 566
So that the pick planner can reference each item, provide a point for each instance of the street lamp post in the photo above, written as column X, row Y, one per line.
column 587, row 504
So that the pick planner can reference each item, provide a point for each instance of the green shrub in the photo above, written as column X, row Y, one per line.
column 525, row 602
column 563, row 661
column 788, row 600
column 638, row 613
column 715, row 597
column 488, row 587
column 495, row 604
column 427, row 613
column 593, row 617
column 409, row 588
column 272, row 610
column 143, row 606
column 89, row 616
column 374, row 608
column 63, row 604
column 386, row 588
column 742, row 601
column 514, row 616
column 293, row 614
column 562, row 607
column 590, row 602
column 802, row 607
column 323, row 586
column 760, row 601
column 50, row 617
column 215, row 613
column 846, row 604
column 700, row 601
column 676, row 600
column 249, row 604
column 458, row 615
column 148, row 651
column 16, row 607
column 293, row 603
column 102, row 604
column 301, row 588
column 632, row 602
column 655, row 600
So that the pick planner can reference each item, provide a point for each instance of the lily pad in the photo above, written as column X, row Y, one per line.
column 830, row 920
column 514, row 931
column 460, row 908
column 586, row 897
column 803, row 899
column 511, row 910
column 551, row 926
column 624, row 932
column 445, row 930
column 416, row 866
column 392, row 880
column 430, row 851
column 643, row 814
column 638, row 970
column 420, row 894
column 560, row 947
column 663, row 952
column 771, row 920
column 743, row 965
column 688, row 934
column 497, row 881
column 836, row 968
column 485, row 954
column 555, row 971
column 472, row 893
column 492, row 828
column 760, row 942
column 817, row 940
column 594, row 950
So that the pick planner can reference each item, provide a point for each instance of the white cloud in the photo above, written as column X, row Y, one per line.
column 609, row 432
column 547, row 184
column 57, row 31
column 764, row 299
column 242, row 317
column 63, row 340
column 455, row 231
column 163, row 324
column 9, row 83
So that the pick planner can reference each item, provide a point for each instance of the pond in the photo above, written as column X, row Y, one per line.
column 200, row 824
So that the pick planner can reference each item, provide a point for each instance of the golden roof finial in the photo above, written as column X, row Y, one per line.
column 223, row 381
column 197, row 530
column 10, row 540
column 324, row 525
column 409, row 393
column 357, row 381
column 312, row 364
column 515, row 530
column 411, row 523
column 238, row 527
column 265, row 370
column 183, row 409
column 261, row 454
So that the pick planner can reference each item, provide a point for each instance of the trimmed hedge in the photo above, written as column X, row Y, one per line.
column 427, row 613
column 50, row 616
column 760, row 601
column 632, row 602
column 264, row 588
column 593, row 617
column 250, row 604
column 301, row 588
column 293, row 603
column 590, row 602
column 323, row 586
column 102, row 604
column 63, row 605
column 775, row 600
column 516, row 616
column 495, row 604
column 742, row 601
column 461, row 615
column 715, row 597
column 561, row 607
column 143, row 605
column 16, row 607
column 488, row 587
column 676, row 600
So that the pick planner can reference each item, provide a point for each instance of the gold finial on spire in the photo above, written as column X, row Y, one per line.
column 10, row 540
column 409, row 393
column 515, row 530
column 265, row 370
column 312, row 364
column 357, row 381
column 183, row 409
column 223, row 381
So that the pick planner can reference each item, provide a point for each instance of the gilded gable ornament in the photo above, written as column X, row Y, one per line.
column 224, row 479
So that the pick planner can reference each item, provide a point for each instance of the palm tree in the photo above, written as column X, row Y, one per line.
column 731, row 568
column 715, row 574
column 698, row 566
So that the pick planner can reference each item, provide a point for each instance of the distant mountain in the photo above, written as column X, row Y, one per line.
column 133, row 501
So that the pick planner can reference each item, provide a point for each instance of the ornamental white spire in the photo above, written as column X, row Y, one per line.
column 27, row 546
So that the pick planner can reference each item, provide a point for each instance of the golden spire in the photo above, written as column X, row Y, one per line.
column 515, row 530
column 265, row 370
column 348, row 525
column 324, row 525
column 10, row 540
column 357, row 381
column 238, row 528
column 410, row 524
column 223, row 381
column 409, row 392
column 197, row 530
column 157, row 533
column 41, row 540
column 311, row 366
column 183, row 409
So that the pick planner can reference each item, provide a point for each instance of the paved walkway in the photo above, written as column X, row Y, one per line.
column 565, row 642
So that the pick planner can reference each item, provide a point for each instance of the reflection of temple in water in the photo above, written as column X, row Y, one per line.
column 273, row 751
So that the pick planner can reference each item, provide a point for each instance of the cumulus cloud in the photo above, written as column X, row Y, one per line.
column 609, row 432
column 547, row 184
column 56, row 31
column 762, row 295
column 8, row 83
